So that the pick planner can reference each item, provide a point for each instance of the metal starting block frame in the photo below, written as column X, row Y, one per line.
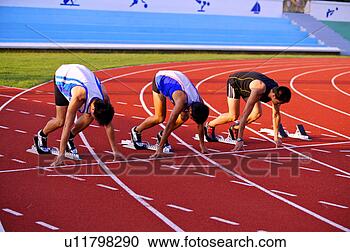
column 300, row 132
column 221, row 139
column 54, row 151
column 147, row 146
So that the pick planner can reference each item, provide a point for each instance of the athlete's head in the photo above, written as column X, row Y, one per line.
column 199, row 112
column 102, row 111
column 281, row 95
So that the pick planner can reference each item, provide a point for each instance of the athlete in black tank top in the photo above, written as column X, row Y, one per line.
column 254, row 88
column 240, row 82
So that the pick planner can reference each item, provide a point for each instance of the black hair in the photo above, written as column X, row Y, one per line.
column 103, row 112
column 282, row 93
column 200, row 112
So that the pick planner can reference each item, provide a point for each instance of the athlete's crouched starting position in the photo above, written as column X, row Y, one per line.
column 77, row 88
column 175, row 86
column 254, row 88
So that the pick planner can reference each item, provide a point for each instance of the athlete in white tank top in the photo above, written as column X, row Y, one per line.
column 77, row 89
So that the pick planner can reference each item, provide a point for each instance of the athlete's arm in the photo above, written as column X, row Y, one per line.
column 105, row 94
column 276, row 119
column 257, row 89
column 200, row 128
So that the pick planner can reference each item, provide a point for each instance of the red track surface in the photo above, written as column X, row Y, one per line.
column 256, row 202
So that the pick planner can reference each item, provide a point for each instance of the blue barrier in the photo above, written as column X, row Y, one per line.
column 40, row 25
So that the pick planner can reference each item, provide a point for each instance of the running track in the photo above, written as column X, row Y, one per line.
column 190, row 192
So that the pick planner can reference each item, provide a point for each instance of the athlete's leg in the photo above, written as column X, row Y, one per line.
column 82, row 123
column 230, row 116
column 56, row 122
column 159, row 102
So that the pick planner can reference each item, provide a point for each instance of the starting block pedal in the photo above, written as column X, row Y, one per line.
column 220, row 139
column 53, row 151
column 300, row 132
column 145, row 146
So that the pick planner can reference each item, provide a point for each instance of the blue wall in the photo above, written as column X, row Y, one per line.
column 112, row 27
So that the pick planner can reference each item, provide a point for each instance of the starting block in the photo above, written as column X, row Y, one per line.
column 221, row 139
column 53, row 151
column 300, row 132
column 146, row 146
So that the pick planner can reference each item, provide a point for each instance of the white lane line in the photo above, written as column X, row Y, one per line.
column 18, row 161
column 240, row 155
column 327, row 135
column 179, row 143
column 37, row 101
column 7, row 96
column 256, row 123
column 3, row 127
column 344, row 150
column 145, row 197
column 116, row 130
column 73, row 177
column 311, row 99
column 336, row 87
column 13, row 212
column 171, row 167
column 137, row 105
column 107, row 187
column 343, row 176
column 1, row 227
column 180, row 208
column 46, row 225
column 26, row 169
column 319, row 150
column 84, row 146
column 224, row 221
column 23, row 99
column 258, row 139
column 205, row 175
column 284, row 193
column 272, row 162
column 138, row 117
column 94, row 126
column 214, row 150
column 118, row 114
column 347, row 155
column 241, row 183
column 301, row 208
column 309, row 169
column 194, row 166
column 24, row 112
column 40, row 115
column 1, row 156
column 128, row 190
column 11, row 110
column 122, row 103
column 184, row 125
column 21, row 131
column 332, row 204
column 51, row 103
column 39, row 91
column 78, row 175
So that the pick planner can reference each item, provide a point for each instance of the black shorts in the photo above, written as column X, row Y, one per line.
column 232, row 90
column 60, row 100
column 154, row 86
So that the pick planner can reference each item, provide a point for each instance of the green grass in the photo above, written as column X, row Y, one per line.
column 26, row 69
